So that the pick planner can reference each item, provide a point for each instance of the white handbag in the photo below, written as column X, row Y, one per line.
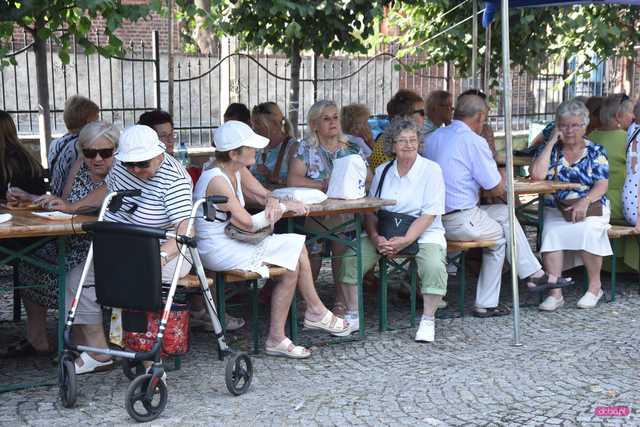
column 348, row 178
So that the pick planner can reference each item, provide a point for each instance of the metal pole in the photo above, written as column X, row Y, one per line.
column 487, row 59
column 474, row 48
column 155, row 40
column 170, row 58
column 506, row 94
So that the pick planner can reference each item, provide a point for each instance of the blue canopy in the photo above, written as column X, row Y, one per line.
column 493, row 5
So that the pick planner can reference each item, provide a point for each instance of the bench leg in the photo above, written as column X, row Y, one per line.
column 383, row 296
column 614, row 262
column 17, row 302
column 462, row 269
column 413, row 268
column 221, row 309
column 255, row 326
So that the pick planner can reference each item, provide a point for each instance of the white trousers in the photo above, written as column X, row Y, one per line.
column 490, row 222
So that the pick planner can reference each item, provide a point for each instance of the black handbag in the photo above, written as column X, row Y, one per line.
column 393, row 224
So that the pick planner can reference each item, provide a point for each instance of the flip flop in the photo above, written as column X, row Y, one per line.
column 330, row 323
column 542, row 283
column 287, row 349
column 22, row 348
column 89, row 364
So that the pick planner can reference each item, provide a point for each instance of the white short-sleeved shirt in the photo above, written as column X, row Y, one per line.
column 165, row 200
column 466, row 162
column 420, row 192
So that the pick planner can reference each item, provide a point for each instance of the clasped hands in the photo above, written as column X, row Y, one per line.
column 392, row 246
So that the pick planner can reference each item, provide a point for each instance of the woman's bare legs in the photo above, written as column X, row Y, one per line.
column 280, row 303
column 430, row 304
column 553, row 265
column 36, row 325
column 92, row 336
column 593, row 264
column 337, row 252
column 315, row 308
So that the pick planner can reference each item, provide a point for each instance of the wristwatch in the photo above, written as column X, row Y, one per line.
column 164, row 256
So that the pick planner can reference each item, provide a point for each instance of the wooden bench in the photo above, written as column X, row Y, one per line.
column 614, row 233
column 458, row 260
column 222, row 278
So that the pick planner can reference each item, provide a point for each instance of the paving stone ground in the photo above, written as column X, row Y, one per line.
column 570, row 363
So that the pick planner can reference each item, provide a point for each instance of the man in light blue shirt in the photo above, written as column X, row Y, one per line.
column 468, row 167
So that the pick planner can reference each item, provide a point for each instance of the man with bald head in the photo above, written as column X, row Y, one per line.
column 468, row 167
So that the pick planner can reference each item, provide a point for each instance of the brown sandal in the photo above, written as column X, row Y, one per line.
column 542, row 283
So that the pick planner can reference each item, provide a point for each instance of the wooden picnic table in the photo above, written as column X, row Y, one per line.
column 36, row 232
column 501, row 160
column 340, row 206
column 528, row 186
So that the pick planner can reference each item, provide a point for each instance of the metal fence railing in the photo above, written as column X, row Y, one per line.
column 204, row 85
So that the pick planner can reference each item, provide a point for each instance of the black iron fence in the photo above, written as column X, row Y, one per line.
column 204, row 85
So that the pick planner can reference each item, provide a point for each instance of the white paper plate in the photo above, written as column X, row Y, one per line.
column 54, row 215
column 5, row 217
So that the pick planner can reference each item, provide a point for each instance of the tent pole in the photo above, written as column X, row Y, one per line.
column 474, row 48
column 506, row 94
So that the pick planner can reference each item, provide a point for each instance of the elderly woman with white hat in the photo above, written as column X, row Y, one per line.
column 236, row 146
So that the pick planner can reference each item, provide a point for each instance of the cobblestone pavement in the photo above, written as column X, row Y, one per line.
column 571, row 362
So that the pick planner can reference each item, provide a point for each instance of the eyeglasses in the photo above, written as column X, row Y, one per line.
column 624, row 97
column 91, row 153
column 406, row 141
column 168, row 136
column 420, row 111
column 573, row 126
column 139, row 165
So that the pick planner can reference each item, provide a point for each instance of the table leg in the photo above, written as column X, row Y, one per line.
column 62, row 311
column 540, row 221
column 360, row 273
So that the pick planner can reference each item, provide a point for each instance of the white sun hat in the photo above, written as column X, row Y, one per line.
column 234, row 134
column 138, row 143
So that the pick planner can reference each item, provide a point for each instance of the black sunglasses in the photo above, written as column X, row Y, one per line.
column 624, row 97
column 140, row 165
column 91, row 153
column 420, row 111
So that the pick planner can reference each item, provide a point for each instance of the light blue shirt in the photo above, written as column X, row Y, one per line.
column 466, row 162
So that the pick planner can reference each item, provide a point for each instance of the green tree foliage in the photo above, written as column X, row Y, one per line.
column 536, row 34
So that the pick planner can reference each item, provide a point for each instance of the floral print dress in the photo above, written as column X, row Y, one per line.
column 319, row 162
column 76, row 249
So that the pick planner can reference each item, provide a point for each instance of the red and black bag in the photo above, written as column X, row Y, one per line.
column 140, row 330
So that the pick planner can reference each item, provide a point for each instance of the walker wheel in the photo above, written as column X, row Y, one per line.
column 238, row 373
column 141, row 408
column 132, row 369
column 68, row 386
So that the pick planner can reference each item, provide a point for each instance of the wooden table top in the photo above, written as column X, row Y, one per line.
column 340, row 206
column 25, row 224
column 501, row 160
column 528, row 186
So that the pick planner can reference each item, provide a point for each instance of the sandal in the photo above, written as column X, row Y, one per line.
column 89, row 364
column 330, row 323
column 491, row 312
column 287, row 349
column 23, row 348
column 542, row 283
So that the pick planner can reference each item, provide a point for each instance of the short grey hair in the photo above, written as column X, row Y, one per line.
column 398, row 125
column 94, row 130
column 612, row 105
column 573, row 108
column 469, row 105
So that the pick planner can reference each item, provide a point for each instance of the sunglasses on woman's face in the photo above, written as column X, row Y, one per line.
column 91, row 153
column 137, row 165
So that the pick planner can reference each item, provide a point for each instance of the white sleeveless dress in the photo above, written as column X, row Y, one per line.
column 632, row 179
column 221, row 253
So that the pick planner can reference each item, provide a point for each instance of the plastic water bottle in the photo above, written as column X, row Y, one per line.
column 182, row 155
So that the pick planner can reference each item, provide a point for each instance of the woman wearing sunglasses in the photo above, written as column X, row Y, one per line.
column 96, row 144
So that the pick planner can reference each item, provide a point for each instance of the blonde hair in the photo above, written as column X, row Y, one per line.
column 315, row 112
column 77, row 112
column 269, row 108
column 21, row 158
column 352, row 115
column 94, row 130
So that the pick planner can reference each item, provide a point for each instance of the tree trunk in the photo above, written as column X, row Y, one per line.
column 294, row 89
column 42, row 78
column 201, row 34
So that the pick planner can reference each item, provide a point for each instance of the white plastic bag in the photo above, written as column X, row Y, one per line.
column 308, row 196
column 348, row 178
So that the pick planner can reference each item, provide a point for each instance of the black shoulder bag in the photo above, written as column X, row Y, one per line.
column 393, row 224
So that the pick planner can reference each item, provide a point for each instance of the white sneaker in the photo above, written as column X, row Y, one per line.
column 426, row 331
column 589, row 300
column 551, row 303
column 354, row 322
